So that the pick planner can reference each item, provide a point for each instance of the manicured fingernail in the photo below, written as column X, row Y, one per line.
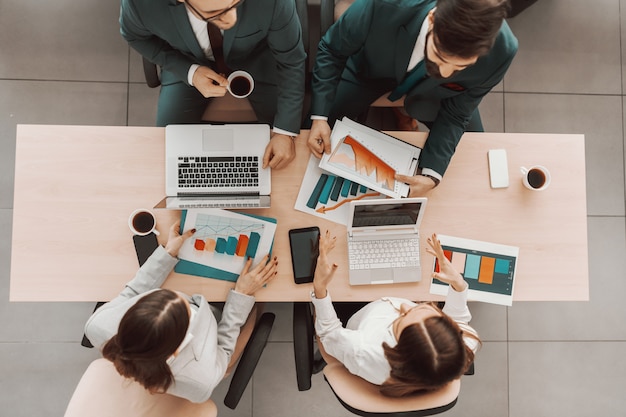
column 193, row 230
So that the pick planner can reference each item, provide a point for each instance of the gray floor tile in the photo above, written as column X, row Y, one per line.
column 52, row 102
column 567, row 46
column 283, row 329
column 62, row 40
column 599, row 319
column 491, row 377
column 38, row 379
column 567, row 379
column 490, row 321
column 599, row 118
column 492, row 112
column 275, row 391
column 142, row 105
column 135, row 67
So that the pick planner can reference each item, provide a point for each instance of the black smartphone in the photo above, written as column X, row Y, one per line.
column 304, row 244
column 144, row 246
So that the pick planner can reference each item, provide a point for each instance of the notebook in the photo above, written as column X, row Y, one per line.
column 217, row 166
column 384, row 241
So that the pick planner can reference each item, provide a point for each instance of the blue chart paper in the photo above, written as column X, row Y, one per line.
column 223, row 242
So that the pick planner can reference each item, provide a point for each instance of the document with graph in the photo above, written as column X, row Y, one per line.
column 370, row 158
column 223, row 242
column 327, row 196
column 488, row 268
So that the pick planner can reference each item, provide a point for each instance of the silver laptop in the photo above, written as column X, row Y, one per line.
column 384, row 240
column 216, row 166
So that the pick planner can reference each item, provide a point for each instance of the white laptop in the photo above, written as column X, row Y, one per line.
column 383, row 240
column 216, row 166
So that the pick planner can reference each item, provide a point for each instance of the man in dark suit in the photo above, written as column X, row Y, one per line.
column 262, row 37
column 442, row 56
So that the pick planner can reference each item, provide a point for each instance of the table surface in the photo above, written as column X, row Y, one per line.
column 75, row 187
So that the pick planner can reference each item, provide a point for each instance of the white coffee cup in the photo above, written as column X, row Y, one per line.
column 240, row 84
column 142, row 222
column 536, row 177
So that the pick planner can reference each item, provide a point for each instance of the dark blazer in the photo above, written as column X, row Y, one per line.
column 266, row 41
column 373, row 42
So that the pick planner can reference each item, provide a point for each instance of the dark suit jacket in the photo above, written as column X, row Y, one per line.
column 266, row 41
column 374, row 40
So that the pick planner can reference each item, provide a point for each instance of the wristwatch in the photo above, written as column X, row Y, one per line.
column 435, row 179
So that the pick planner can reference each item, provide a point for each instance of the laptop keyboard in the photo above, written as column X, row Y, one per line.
column 372, row 254
column 222, row 171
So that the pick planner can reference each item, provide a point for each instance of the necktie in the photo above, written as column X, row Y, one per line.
column 217, row 41
column 410, row 81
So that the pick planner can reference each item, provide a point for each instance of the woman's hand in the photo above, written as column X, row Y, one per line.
column 324, row 270
column 175, row 240
column 446, row 273
column 253, row 279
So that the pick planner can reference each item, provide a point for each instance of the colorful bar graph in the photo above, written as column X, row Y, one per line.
column 253, row 244
column 331, row 189
column 458, row 262
column 345, row 188
column 317, row 192
column 242, row 245
column 334, row 194
column 472, row 266
column 210, row 245
column 231, row 245
column 220, row 246
column 327, row 188
column 502, row 266
column 487, row 266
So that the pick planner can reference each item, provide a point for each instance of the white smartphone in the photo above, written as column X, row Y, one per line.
column 498, row 168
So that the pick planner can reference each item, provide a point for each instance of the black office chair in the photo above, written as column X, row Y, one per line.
column 354, row 393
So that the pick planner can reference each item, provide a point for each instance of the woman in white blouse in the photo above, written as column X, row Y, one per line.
column 402, row 346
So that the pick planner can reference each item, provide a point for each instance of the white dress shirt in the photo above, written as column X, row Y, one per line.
column 358, row 346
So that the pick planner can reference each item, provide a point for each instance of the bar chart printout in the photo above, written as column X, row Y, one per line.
column 225, row 240
column 489, row 269
column 326, row 195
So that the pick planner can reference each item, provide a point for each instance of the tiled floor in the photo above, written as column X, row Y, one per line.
column 64, row 62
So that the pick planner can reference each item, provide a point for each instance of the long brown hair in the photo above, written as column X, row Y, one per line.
column 148, row 334
column 428, row 355
column 468, row 28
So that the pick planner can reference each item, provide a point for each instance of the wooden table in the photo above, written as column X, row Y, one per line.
column 75, row 187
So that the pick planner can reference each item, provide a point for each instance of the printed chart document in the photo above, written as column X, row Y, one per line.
column 223, row 242
column 327, row 196
column 488, row 268
column 370, row 158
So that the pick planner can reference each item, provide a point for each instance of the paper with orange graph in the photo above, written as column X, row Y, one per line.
column 327, row 196
column 370, row 158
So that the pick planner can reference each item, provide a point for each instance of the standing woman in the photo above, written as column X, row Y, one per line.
column 166, row 340
column 403, row 347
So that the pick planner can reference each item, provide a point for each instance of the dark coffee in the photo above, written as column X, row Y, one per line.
column 536, row 178
column 143, row 222
column 240, row 86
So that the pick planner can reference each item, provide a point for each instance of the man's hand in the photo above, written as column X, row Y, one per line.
column 324, row 270
column 175, row 240
column 209, row 83
column 319, row 138
column 279, row 152
column 419, row 185
column 253, row 279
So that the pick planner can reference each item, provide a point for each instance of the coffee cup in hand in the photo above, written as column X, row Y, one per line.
column 240, row 84
column 142, row 222
column 535, row 178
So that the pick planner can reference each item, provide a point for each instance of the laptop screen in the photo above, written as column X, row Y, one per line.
column 393, row 214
